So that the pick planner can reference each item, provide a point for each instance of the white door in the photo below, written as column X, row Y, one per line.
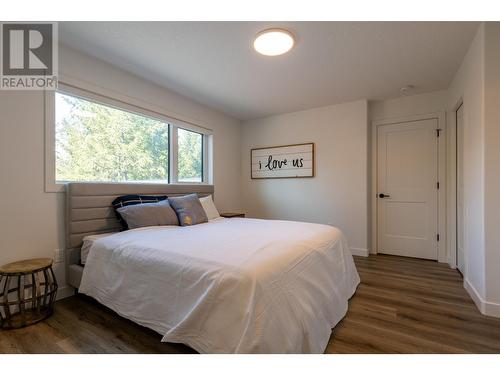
column 407, row 161
column 460, row 190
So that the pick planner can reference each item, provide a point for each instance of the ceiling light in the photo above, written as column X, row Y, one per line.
column 273, row 42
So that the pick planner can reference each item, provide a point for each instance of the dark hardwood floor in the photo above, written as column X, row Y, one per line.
column 402, row 305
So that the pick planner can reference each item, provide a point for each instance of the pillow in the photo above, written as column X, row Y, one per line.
column 128, row 200
column 189, row 209
column 148, row 214
column 208, row 205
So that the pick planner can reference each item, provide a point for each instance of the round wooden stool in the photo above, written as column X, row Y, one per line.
column 27, row 292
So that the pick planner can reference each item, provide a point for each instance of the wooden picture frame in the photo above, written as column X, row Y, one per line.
column 281, row 165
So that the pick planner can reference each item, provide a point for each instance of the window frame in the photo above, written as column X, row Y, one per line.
column 51, row 185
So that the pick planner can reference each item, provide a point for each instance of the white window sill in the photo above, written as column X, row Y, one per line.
column 60, row 187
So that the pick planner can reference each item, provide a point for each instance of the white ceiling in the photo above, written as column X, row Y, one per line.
column 214, row 62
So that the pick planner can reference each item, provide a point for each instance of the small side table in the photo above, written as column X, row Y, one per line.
column 232, row 214
column 27, row 292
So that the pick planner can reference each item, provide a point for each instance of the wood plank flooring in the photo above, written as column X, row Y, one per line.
column 406, row 305
column 402, row 305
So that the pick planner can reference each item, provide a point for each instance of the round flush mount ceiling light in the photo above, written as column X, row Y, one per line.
column 273, row 42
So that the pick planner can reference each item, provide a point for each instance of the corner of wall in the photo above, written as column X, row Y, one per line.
column 468, row 86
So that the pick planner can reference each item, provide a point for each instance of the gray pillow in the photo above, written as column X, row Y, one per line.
column 148, row 214
column 189, row 209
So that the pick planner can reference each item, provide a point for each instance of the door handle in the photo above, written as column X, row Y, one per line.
column 382, row 195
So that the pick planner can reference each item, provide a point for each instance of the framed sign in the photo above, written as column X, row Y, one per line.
column 290, row 161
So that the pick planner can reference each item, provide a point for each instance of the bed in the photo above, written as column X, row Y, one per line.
column 227, row 286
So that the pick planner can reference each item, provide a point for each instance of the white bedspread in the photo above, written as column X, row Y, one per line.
column 228, row 286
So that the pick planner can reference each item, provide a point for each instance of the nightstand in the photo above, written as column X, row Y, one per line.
column 232, row 214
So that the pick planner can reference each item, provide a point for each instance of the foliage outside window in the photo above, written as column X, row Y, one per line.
column 190, row 159
column 96, row 142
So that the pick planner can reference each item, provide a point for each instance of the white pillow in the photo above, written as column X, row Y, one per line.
column 209, row 207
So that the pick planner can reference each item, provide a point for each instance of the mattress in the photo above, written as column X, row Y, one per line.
column 88, row 242
column 229, row 285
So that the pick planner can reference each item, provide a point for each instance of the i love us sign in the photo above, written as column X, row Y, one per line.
column 290, row 161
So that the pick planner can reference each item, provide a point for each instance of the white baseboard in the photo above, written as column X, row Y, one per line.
column 473, row 293
column 485, row 307
column 492, row 309
column 65, row 292
column 359, row 252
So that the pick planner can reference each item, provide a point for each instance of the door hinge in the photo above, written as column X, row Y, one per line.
column 437, row 184
column 437, row 237
column 438, row 131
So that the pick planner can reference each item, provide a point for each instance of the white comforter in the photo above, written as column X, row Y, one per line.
column 228, row 286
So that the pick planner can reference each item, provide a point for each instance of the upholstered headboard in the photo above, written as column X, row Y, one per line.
column 89, row 210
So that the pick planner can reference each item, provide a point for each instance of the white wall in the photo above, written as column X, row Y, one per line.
column 492, row 165
column 32, row 221
column 468, row 85
column 421, row 104
column 337, row 194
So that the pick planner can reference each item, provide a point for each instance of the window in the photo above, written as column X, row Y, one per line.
column 95, row 142
column 97, row 139
column 190, row 159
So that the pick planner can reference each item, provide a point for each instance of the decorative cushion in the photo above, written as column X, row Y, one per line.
column 148, row 214
column 129, row 200
column 209, row 207
column 189, row 209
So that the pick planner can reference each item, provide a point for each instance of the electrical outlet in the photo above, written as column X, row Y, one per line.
column 58, row 255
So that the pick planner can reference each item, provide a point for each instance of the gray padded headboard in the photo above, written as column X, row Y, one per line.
column 89, row 210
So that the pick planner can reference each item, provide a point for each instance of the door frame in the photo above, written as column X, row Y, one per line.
column 442, row 244
column 452, row 191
